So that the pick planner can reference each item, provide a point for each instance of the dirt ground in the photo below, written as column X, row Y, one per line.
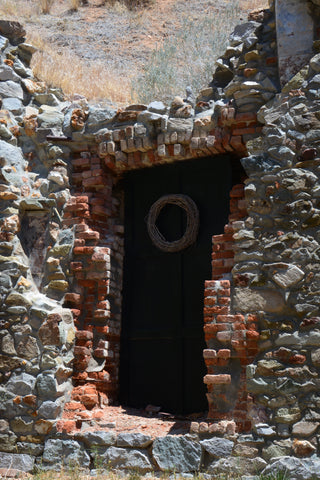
column 150, row 421
column 123, row 39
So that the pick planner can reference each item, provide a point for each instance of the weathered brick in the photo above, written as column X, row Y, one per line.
column 217, row 379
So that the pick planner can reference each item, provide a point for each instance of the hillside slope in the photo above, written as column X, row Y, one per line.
column 104, row 50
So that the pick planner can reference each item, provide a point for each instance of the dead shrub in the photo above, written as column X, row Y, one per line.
column 45, row 5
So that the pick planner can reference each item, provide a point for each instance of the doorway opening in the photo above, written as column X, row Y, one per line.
column 162, row 340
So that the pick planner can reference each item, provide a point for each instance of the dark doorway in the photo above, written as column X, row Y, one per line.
column 161, row 359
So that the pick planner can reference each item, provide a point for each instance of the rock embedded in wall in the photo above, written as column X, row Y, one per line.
column 36, row 332
column 284, row 216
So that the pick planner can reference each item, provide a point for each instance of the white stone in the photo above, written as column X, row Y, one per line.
column 249, row 300
column 288, row 276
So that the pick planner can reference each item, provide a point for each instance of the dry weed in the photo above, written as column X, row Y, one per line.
column 18, row 9
column 65, row 70
column 254, row 4
column 45, row 5
column 187, row 57
column 75, row 4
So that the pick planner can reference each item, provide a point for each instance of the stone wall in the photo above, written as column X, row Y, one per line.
column 279, row 266
column 62, row 252
column 36, row 331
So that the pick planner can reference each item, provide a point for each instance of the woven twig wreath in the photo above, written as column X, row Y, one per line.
column 189, row 236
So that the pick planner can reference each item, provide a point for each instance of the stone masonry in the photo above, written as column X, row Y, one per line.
column 62, row 249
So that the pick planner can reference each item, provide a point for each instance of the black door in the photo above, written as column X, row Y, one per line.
column 162, row 328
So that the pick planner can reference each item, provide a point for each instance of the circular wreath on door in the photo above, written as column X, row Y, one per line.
column 191, row 232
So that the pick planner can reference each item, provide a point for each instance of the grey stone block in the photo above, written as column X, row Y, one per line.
column 18, row 461
column 138, row 440
column 177, row 454
column 218, row 447
column 126, row 459
column 59, row 452
column 92, row 439
column 292, row 467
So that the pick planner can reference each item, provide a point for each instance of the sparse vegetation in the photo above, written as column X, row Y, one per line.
column 280, row 475
column 74, row 75
column 75, row 4
column 163, row 47
column 186, row 58
column 171, row 59
column 46, row 5
column 77, row 474
column 14, row 9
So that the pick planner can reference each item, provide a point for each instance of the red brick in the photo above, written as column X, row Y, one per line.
column 110, row 162
column 224, row 292
column 103, row 329
column 210, row 301
column 216, row 310
column 89, row 401
column 210, row 328
column 217, row 263
column 80, row 199
column 87, row 283
column 66, row 426
column 237, row 191
column 100, row 257
column 225, row 318
column 224, row 353
column 73, row 406
column 238, row 326
column 73, row 221
column 271, row 60
column 222, row 238
column 84, row 335
column 246, row 117
column 95, row 161
column 223, row 336
column 252, row 335
column 93, row 181
column 207, row 319
column 79, row 242
column 210, row 284
column 223, row 254
column 224, row 300
column 97, row 172
column 81, row 351
column 137, row 157
column 89, row 235
column 228, row 229
column 217, row 379
column 73, row 298
column 76, row 266
column 220, row 271
column 81, row 162
column 83, row 250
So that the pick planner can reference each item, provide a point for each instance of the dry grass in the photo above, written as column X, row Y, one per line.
column 46, row 5
column 73, row 75
column 75, row 4
column 96, row 80
column 254, row 4
column 187, row 57
column 15, row 9
column 75, row 473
